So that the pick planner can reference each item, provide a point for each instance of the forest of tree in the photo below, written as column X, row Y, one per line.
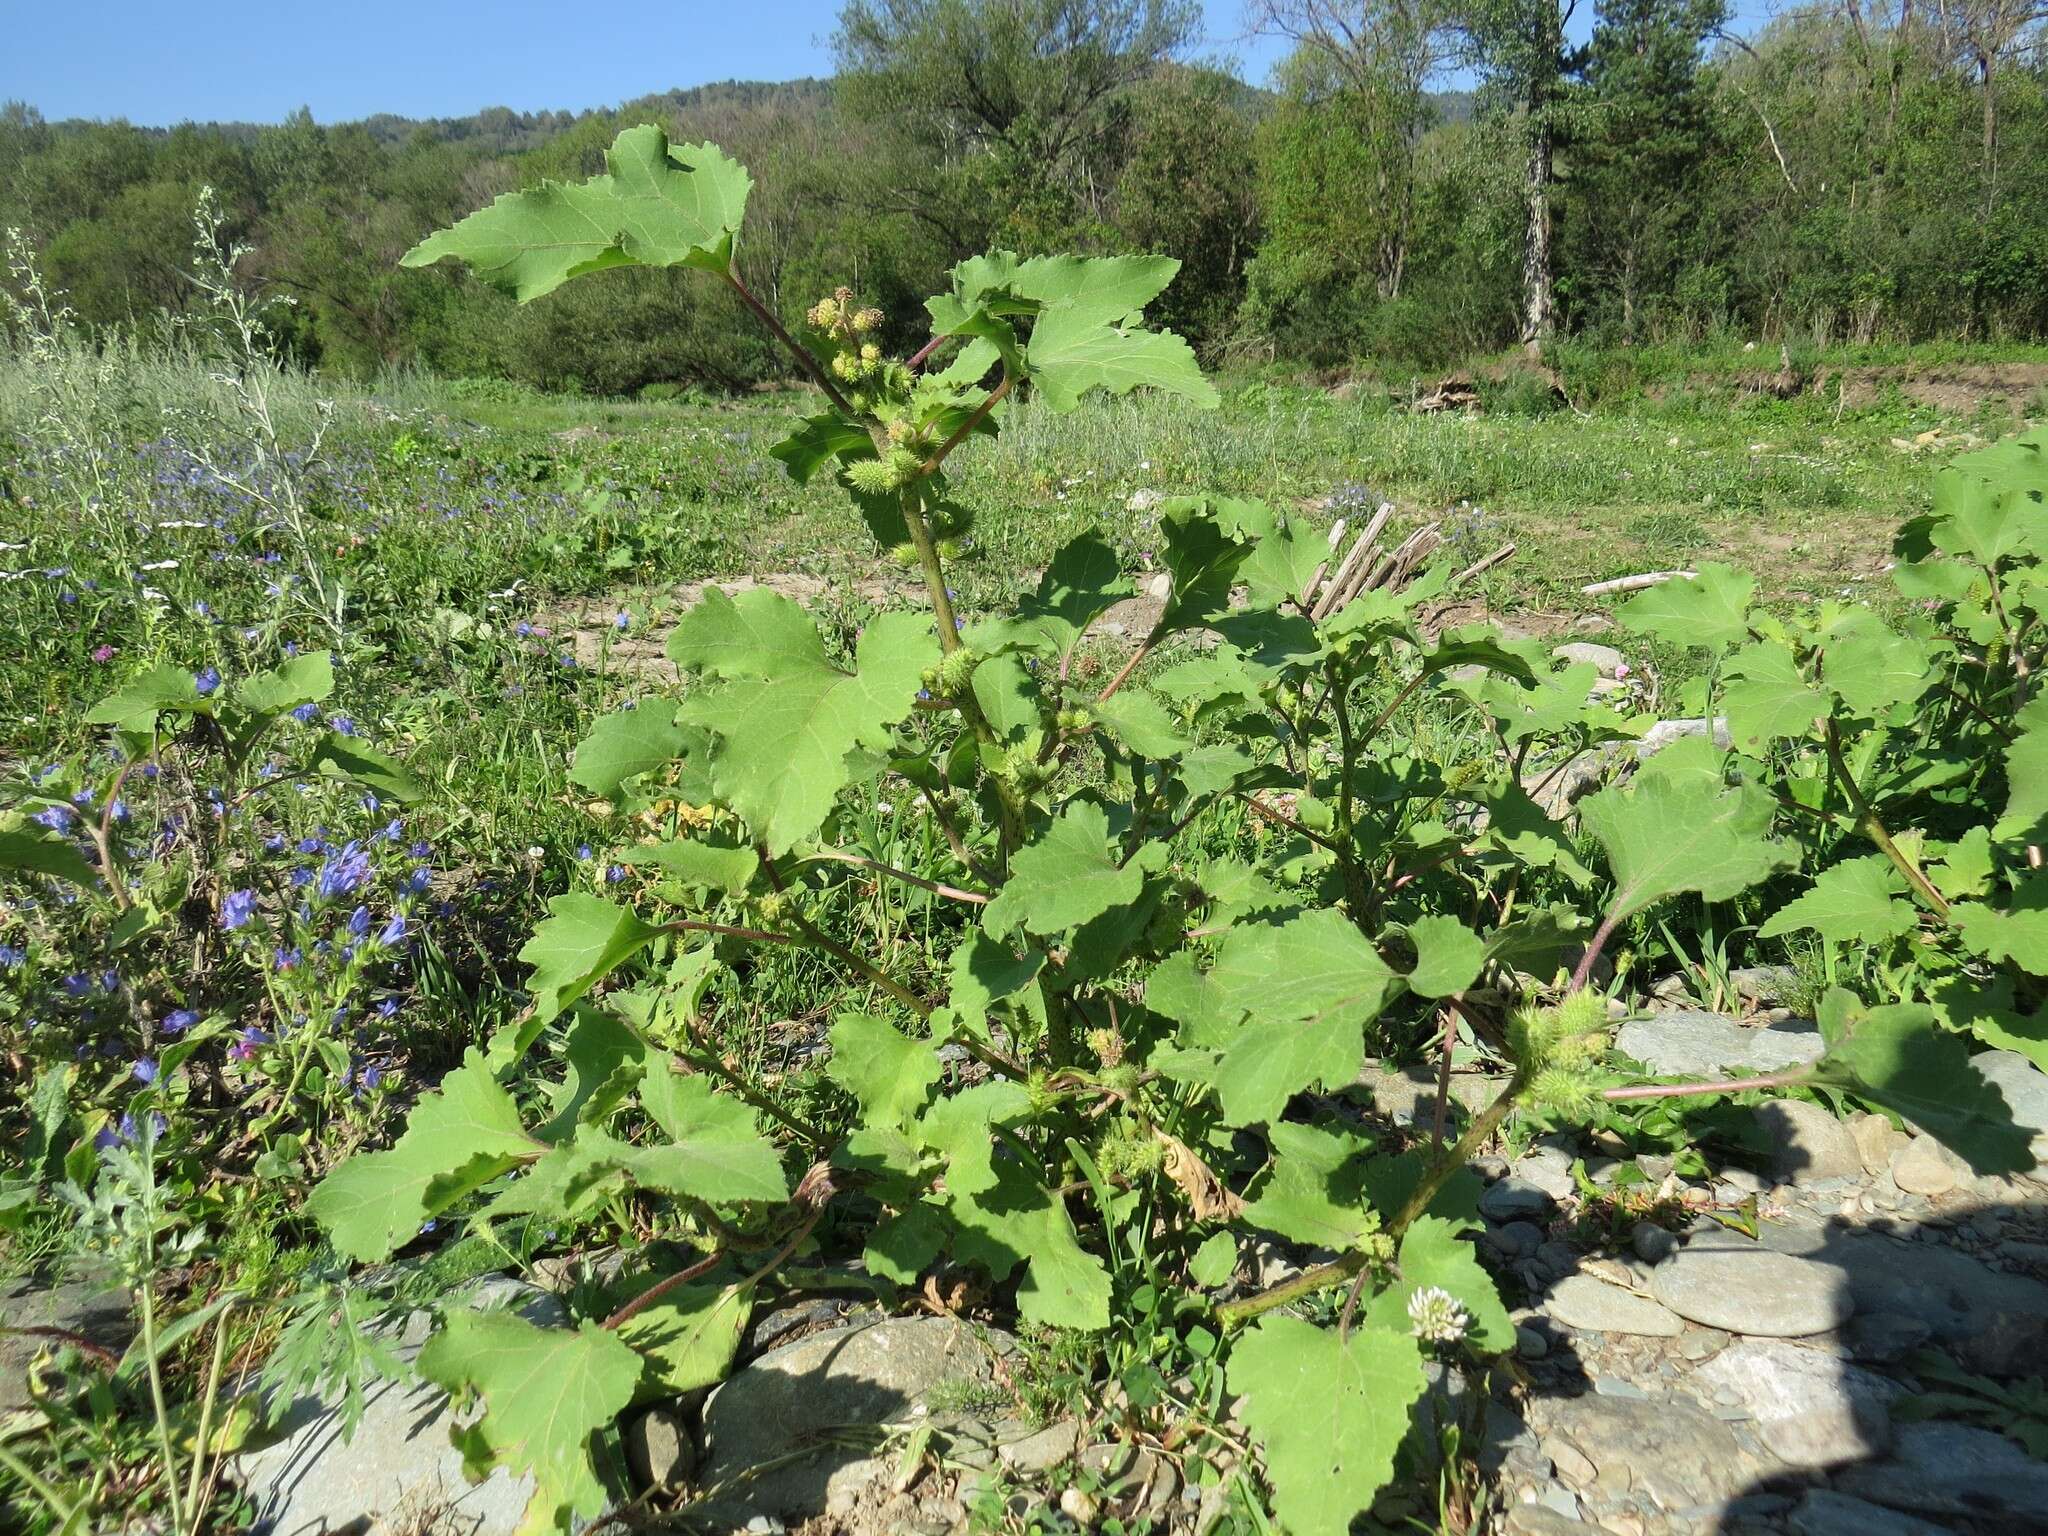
column 1856, row 170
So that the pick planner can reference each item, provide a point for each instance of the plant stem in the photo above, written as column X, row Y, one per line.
column 934, row 573
column 796, row 349
column 695, row 925
column 1874, row 829
column 931, row 465
column 1583, row 973
column 662, row 1287
column 937, row 888
column 1351, row 1264
column 156, row 1397
column 1682, row 1090
column 220, row 1339
column 840, row 952
column 1144, row 649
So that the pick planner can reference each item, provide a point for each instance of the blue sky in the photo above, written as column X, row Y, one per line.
column 159, row 63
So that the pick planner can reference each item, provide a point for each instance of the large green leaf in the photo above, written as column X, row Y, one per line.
column 1314, row 1192
column 888, row 1072
column 1434, row 1257
column 1664, row 836
column 1447, row 956
column 1895, row 1056
column 548, row 1393
column 2016, row 933
column 1084, row 580
column 34, row 852
column 336, row 756
column 581, row 941
column 1017, row 1221
column 1768, row 699
column 1071, row 353
column 1709, row 610
column 456, row 1141
column 787, row 718
column 1855, row 902
column 714, row 1150
column 1067, row 876
column 1330, row 1412
column 658, row 205
column 135, row 707
column 304, row 679
column 686, row 1341
column 1872, row 667
column 633, row 741
column 2026, row 777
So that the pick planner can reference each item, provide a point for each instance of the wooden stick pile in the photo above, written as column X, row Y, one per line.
column 1364, row 567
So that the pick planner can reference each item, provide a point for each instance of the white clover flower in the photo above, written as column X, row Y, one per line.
column 1437, row 1317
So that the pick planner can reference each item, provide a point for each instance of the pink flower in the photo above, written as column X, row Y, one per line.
column 103, row 654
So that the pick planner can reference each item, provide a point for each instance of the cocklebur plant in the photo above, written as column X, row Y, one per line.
column 1176, row 913
column 219, row 906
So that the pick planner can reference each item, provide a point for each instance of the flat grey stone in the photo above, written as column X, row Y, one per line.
column 95, row 1310
column 1824, row 1513
column 2024, row 1085
column 787, row 1401
column 1513, row 1239
column 1689, row 1042
column 1677, row 1453
column 1752, row 1291
column 1512, row 1199
column 1953, row 1469
column 1045, row 1449
column 1604, row 658
column 1652, row 1244
column 1408, row 1097
column 1760, row 984
column 1992, row 1322
column 1592, row 1305
column 398, row 1471
column 1542, row 1520
column 1808, row 1144
column 1811, row 1408
column 659, row 1448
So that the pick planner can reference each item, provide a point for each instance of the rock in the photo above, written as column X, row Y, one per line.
column 1923, row 1166
column 1952, row 1469
column 399, row 1471
column 1530, row 1344
column 1549, row 1170
column 1542, row 1520
column 1822, row 1513
column 1557, row 1258
column 1594, row 1306
column 1044, row 1450
column 871, row 1374
column 1668, row 732
column 1812, row 1409
column 1513, row 1239
column 1689, row 1042
column 1752, row 1290
column 1160, row 586
column 1603, row 658
column 1652, row 1244
column 2024, row 1085
column 1758, row 985
column 1408, row 1097
column 659, row 1448
column 94, row 1308
column 1875, row 1137
column 1511, row 1198
column 1677, row 1453
column 1884, row 1336
column 1808, row 1144
column 1143, row 500
column 1994, row 1323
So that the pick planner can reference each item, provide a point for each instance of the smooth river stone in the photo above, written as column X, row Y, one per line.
column 1753, row 1291
column 1590, row 1304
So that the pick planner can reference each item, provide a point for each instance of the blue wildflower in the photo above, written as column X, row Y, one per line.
column 56, row 817
column 178, row 1020
column 12, row 955
column 207, row 681
column 623, row 621
column 394, row 931
column 145, row 1070
column 306, row 714
column 359, row 922
column 341, row 874
column 239, row 907
column 343, row 726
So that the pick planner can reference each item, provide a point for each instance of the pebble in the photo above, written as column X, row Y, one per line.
column 1923, row 1166
column 1592, row 1305
column 1652, row 1244
column 1511, row 1198
column 1875, row 1137
column 1807, row 1144
column 1752, row 1291
column 1549, row 1170
column 1530, row 1344
column 1514, row 1239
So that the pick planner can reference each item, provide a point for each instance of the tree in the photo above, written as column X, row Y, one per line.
column 1529, row 66
column 1647, row 134
column 1373, row 61
column 1189, row 189
column 1002, row 108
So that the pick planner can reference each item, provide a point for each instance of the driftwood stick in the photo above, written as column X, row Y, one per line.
column 1340, row 578
column 1634, row 583
column 1344, row 585
column 1506, row 551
